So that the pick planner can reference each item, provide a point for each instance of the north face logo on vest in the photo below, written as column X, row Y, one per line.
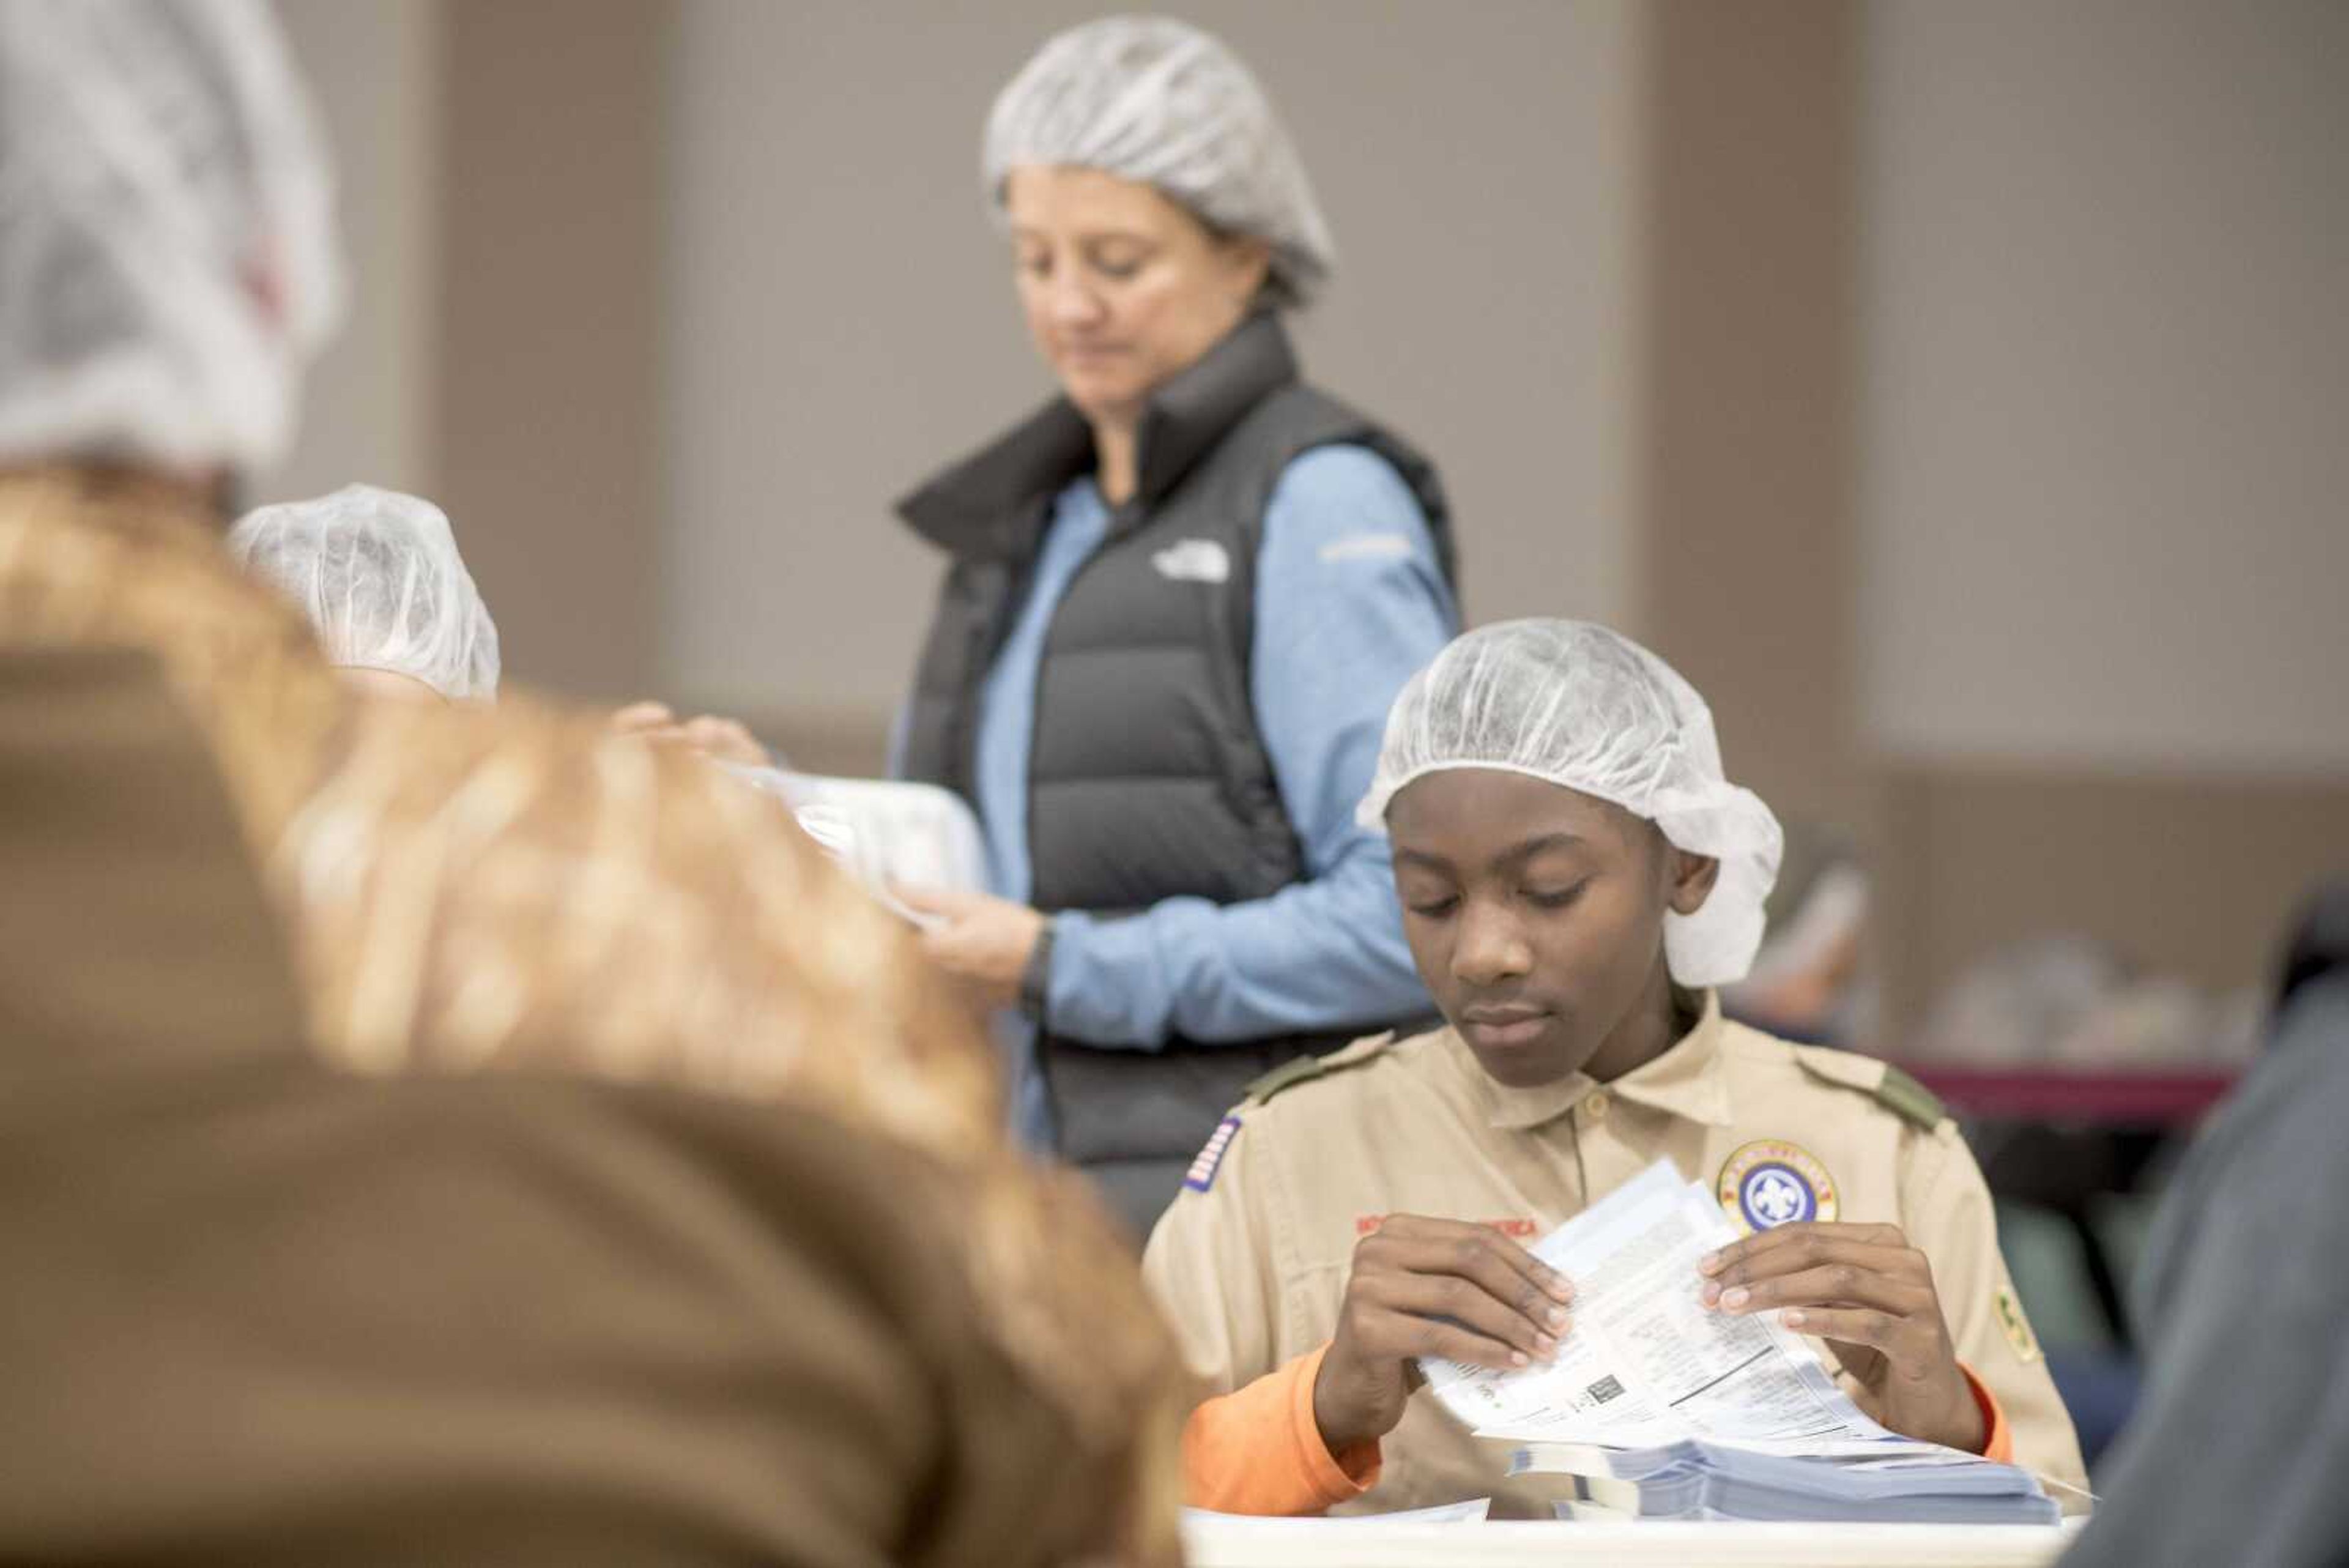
column 1194, row 561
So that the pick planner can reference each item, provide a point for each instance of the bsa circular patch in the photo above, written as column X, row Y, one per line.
column 1771, row 1182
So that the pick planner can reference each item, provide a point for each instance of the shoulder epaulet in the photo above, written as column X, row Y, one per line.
column 1908, row 1098
column 1885, row 1084
column 1304, row 1069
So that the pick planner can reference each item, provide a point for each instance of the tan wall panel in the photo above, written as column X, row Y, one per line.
column 1749, row 320
column 1755, row 180
column 547, row 434
column 373, row 67
column 2107, row 365
column 2192, row 876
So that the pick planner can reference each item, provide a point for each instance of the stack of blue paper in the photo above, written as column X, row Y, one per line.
column 1904, row 1484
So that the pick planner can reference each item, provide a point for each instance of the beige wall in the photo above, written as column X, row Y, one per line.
column 2101, row 476
column 548, row 403
column 375, row 70
column 841, row 314
column 1954, row 390
column 499, row 201
column 1745, row 524
column 2194, row 876
column 2105, row 496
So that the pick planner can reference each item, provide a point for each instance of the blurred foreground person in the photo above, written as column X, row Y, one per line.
column 713, row 735
column 441, row 1134
column 2238, row 1448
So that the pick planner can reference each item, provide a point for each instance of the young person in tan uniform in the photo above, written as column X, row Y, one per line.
column 1574, row 872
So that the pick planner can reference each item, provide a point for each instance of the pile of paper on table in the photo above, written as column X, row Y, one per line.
column 1659, row 1407
column 1697, row 1480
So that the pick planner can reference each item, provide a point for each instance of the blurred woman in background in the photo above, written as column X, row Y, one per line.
column 1180, row 599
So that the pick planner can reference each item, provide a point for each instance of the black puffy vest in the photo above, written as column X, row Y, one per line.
column 1147, row 778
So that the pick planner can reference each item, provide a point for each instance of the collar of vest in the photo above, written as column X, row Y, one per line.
column 989, row 504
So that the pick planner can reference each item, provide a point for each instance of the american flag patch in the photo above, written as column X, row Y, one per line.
column 1202, row 1174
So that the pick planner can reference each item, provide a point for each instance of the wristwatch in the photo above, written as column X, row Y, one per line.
column 1036, row 979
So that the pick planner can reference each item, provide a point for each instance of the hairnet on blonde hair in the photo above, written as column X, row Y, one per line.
column 1588, row 709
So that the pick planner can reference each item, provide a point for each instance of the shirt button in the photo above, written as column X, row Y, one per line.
column 1595, row 1108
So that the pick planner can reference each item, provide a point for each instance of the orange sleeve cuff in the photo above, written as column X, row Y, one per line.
column 1257, row 1450
column 1998, row 1438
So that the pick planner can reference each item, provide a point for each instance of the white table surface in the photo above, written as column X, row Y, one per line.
column 1370, row 1543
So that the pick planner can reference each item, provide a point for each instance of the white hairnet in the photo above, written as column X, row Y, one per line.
column 1158, row 101
column 1579, row 705
column 378, row 574
column 167, row 253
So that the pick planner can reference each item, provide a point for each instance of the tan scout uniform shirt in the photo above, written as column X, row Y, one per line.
column 1251, row 1261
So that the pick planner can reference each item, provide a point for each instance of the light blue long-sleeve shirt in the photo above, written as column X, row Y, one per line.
column 1350, row 602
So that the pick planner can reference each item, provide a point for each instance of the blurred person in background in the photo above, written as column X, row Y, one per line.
column 380, row 578
column 2241, row 1439
column 378, row 574
column 1809, row 983
column 434, row 1133
column 1180, row 599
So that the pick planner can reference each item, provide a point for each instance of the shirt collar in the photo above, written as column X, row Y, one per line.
column 1687, row 1081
